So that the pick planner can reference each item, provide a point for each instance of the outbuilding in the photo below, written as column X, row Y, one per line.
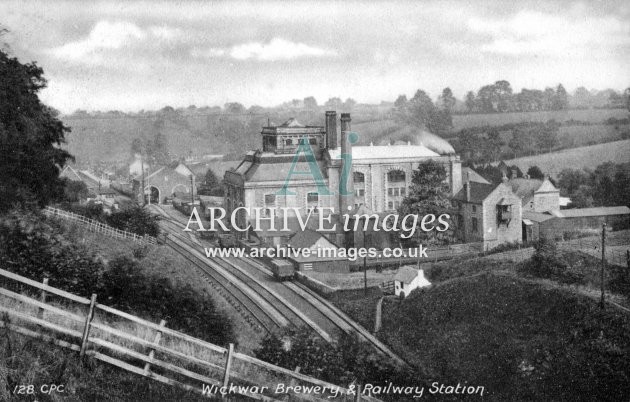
column 407, row 279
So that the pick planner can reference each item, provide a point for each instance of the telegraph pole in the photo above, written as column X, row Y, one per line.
column 603, row 263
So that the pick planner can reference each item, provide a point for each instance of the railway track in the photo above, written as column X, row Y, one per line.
column 246, row 287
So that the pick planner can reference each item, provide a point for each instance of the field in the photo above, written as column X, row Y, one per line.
column 583, row 157
column 497, row 119
column 519, row 340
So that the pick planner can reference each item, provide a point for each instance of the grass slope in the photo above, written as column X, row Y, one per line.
column 518, row 339
column 582, row 157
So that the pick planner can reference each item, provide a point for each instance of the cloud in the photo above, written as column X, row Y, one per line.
column 277, row 49
column 536, row 33
column 105, row 35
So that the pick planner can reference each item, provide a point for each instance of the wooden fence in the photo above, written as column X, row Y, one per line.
column 148, row 349
column 99, row 227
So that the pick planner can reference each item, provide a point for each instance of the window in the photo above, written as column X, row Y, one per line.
column 288, row 141
column 312, row 141
column 358, row 177
column 396, row 176
column 390, row 205
column 504, row 214
column 474, row 225
column 359, row 192
column 474, row 209
column 312, row 200
column 270, row 202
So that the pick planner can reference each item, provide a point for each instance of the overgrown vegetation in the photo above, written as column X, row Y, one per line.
column 36, row 248
column 347, row 361
column 519, row 340
column 134, row 219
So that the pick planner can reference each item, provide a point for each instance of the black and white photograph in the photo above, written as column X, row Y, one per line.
column 285, row 200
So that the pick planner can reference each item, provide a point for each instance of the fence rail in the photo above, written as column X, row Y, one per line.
column 163, row 354
column 99, row 227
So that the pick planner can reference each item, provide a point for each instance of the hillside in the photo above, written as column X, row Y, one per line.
column 517, row 339
column 496, row 119
column 583, row 157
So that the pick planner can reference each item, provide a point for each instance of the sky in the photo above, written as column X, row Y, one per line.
column 133, row 55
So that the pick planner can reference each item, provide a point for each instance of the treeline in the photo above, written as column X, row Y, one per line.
column 486, row 144
column 607, row 185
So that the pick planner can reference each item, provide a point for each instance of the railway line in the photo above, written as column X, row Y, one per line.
column 265, row 302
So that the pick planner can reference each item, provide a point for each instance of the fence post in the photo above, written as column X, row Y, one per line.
column 228, row 365
column 88, row 324
column 40, row 312
column 357, row 396
column 156, row 341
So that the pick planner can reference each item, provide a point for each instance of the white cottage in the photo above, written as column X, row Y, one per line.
column 407, row 279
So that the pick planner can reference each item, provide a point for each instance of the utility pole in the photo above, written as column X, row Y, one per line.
column 142, row 189
column 365, row 261
column 192, row 193
column 603, row 263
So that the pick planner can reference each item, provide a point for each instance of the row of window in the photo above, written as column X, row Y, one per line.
column 396, row 191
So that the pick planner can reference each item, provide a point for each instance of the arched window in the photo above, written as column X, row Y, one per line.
column 396, row 176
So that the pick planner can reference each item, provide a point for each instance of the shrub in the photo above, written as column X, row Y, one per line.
column 136, row 220
column 548, row 263
column 127, row 287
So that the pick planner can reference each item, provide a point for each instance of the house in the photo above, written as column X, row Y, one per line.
column 407, row 279
column 536, row 195
column 379, row 177
column 488, row 213
column 323, row 253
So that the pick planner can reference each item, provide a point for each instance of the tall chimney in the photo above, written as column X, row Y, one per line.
column 346, row 180
column 331, row 129
column 346, row 200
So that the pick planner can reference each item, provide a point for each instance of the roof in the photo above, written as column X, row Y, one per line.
column 386, row 152
column 478, row 192
column 406, row 274
column 305, row 239
column 70, row 174
column 470, row 175
column 546, row 187
column 536, row 216
column 598, row 211
column 292, row 122
column 525, row 188
column 269, row 171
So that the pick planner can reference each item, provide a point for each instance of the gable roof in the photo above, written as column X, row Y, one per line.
column 306, row 238
column 525, row 188
column 546, row 186
column 71, row 174
column 478, row 192
column 468, row 174
column 406, row 274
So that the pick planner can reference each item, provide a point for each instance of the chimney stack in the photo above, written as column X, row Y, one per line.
column 467, row 188
column 346, row 180
column 331, row 129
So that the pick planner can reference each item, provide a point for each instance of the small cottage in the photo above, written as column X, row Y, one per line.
column 407, row 279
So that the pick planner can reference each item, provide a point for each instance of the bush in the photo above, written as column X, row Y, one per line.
column 127, row 287
column 346, row 361
column 136, row 220
column 548, row 263
column 31, row 247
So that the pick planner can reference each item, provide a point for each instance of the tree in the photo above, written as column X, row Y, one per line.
column 310, row 103
column 349, row 104
column 561, row 99
column 234, row 108
column 447, row 100
column 429, row 194
column 30, row 138
column 503, row 96
column 534, row 172
column 470, row 101
column 334, row 103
